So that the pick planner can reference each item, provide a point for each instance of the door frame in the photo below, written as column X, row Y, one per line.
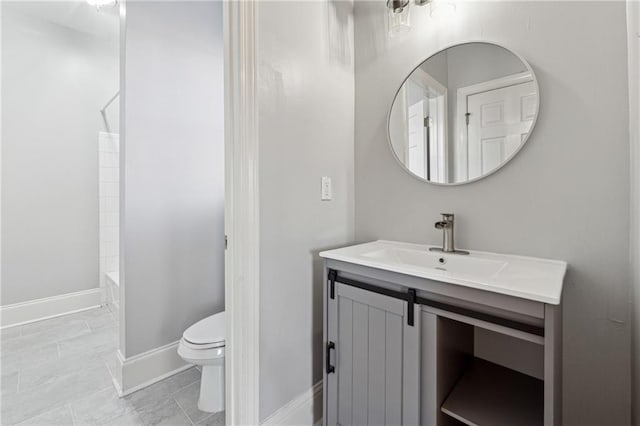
column 426, row 81
column 633, row 37
column 242, row 219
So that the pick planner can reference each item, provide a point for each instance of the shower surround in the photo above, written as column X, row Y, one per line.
column 109, row 207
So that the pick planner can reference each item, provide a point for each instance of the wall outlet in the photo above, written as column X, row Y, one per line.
column 327, row 192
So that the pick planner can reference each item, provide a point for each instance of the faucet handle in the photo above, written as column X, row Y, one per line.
column 447, row 216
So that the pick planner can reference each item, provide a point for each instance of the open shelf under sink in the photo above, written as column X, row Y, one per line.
column 489, row 394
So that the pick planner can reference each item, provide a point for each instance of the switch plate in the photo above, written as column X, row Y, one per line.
column 327, row 192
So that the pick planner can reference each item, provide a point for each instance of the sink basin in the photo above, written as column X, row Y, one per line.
column 471, row 266
column 525, row 277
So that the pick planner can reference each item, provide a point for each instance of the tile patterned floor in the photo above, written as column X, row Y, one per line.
column 59, row 372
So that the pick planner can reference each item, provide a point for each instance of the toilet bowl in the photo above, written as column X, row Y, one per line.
column 203, row 344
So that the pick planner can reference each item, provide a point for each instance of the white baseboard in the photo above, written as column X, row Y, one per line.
column 306, row 409
column 49, row 307
column 147, row 368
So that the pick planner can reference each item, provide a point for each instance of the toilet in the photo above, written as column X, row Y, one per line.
column 203, row 344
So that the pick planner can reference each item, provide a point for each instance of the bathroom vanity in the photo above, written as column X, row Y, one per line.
column 413, row 336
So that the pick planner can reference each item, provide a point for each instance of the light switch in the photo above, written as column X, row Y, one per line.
column 327, row 192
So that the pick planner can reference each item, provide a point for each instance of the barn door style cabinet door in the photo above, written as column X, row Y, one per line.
column 372, row 358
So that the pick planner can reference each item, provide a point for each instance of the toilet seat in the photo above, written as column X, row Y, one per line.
column 196, row 346
column 200, row 356
column 206, row 333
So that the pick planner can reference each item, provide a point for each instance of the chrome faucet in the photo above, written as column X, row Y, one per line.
column 448, row 245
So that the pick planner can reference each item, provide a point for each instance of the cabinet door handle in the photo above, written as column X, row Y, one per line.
column 330, row 368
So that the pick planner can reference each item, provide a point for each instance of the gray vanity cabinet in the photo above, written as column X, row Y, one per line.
column 403, row 350
column 372, row 359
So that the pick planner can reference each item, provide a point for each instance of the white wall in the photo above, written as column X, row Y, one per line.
column 306, row 109
column 633, row 23
column 54, row 82
column 565, row 195
column 173, row 151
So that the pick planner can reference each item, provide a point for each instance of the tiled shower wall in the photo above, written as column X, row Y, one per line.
column 109, row 202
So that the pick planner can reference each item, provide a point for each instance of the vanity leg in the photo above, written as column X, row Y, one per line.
column 552, row 365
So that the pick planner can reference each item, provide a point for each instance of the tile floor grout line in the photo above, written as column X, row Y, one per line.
column 73, row 417
column 184, row 387
column 208, row 417
column 110, row 373
column 48, row 410
column 110, row 387
column 182, row 409
column 168, row 396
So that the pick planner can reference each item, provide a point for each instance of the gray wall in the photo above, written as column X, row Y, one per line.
column 54, row 82
column 306, row 109
column 475, row 63
column 173, row 187
column 566, row 194
column 633, row 21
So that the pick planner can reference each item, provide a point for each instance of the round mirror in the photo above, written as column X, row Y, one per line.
column 463, row 113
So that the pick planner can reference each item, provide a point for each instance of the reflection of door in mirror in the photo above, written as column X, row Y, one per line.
column 499, row 114
column 426, row 151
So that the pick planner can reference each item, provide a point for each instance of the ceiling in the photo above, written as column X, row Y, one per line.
column 76, row 14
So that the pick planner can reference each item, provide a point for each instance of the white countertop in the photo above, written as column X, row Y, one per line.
column 529, row 278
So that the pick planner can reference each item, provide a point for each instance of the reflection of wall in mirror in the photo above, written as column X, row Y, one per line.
column 437, row 67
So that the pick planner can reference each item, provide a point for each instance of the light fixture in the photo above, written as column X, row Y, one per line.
column 442, row 7
column 398, row 16
column 99, row 4
column 398, row 12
